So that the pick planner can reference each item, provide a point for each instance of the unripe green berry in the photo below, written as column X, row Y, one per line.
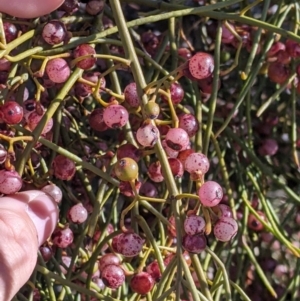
column 126, row 169
column 151, row 110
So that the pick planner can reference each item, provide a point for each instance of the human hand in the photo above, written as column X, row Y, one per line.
column 29, row 8
column 27, row 219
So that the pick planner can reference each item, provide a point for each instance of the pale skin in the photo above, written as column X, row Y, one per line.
column 27, row 219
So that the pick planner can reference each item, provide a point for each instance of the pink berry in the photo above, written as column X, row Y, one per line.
column 113, row 276
column 197, row 163
column 177, row 139
column 54, row 32
column 194, row 224
column 142, row 283
column 201, row 65
column 194, row 244
column 33, row 119
column 225, row 210
column 115, row 116
column 189, row 123
column 62, row 238
column 176, row 94
column 149, row 190
column 131, row 95
column 147, row 135
column 10, row 182
column 108, row 259
column 3, row 154
column 130, row 151
column 130, row 244
column 210, row 194
column 83, row 50
column 155, row 172
column 169, row 151
column 64, row 168
column 96, row 120
column 58, row 70
column 54, row 191
column 225, row 229
column 77, row 214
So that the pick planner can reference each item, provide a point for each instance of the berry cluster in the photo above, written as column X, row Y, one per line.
column 150, row 151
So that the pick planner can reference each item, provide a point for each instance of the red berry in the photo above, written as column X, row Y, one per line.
column 11, row 112
column 201, row 65
column 64, row 168
column 83, row 50
column 142, row 283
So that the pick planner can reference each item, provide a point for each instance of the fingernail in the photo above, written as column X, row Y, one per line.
column 39, row 206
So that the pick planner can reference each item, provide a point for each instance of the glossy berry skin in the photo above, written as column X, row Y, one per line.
column 64, row 168
column 82, row 50
column 225, row 210
column 96, row 120
column 115, row 116
column 131, row 95
column 225, row 229
column 54, row 32
column 151, row 110
column 189, row 123
column 197, row 163
column 147, row 135
column 46, row 253
column 58, row 70
column 278, row 72
column 54, row 191
column 149, row 190
column 11, row 112
column 201, row 65
column 176, row 167
column 10, row 182
column 77, row 214
column 154, row 270
column 210, row 194
column 292, row 48
column 130, row 151
column 194, row 224
column 254, row 224
column 269, row 147
column 176, row 94
column 169, row 151
column 142, row 283
column 10, row 31
column 183, row 155
column 62, row 238
column 194, row 243
column 177, row 139
column 130, row 244
column 155, row 172
column 108, row 259
column 113, row 276
column 33, row 119
column 126, row 169
column 3, row 154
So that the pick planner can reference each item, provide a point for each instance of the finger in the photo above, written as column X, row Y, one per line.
column 26, row 220
column 29, row 8
column 39, row 206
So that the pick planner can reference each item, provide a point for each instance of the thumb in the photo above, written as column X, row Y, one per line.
column 29, row 8
column 27, row 219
